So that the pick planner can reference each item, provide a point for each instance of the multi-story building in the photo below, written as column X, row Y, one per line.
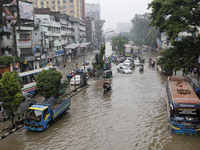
column 53, row 31
column 75, row 8
column 90, row 29
column 124, row 26
column 16, row 38
column 93, row 11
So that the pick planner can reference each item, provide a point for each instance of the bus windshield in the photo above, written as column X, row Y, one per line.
column 187, row 114
column 33, row 114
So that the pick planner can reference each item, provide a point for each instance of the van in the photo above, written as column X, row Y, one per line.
column 28, row 101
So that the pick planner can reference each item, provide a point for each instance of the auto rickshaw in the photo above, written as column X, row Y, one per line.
column 107, row 87
column 107, row 74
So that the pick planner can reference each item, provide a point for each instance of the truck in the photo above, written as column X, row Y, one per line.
column 128, row 50
column 41, row 115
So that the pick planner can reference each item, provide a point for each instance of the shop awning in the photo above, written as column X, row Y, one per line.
column 72, row 46
column 84, row 44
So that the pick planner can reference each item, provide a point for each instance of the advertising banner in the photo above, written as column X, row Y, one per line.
column 26, row 10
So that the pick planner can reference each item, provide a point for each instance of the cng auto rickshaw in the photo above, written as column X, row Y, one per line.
column 107, row 74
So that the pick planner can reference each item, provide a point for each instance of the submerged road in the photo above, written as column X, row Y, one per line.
column 133, row 116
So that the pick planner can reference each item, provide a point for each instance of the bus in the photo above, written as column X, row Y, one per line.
column 135, row 49
column 128, row 50
column 183, row 107
column 28, row 80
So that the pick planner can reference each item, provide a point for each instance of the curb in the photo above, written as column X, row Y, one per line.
column 79, row 90
column 10, row 132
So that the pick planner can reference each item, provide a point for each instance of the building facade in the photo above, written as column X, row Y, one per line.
column 90, row 29
column 16, row 33
column 73, row 8
column 93, row 11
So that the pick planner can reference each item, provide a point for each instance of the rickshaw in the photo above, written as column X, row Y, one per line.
column 107, row 87
column 107, row 74
column 69, row 76
column 141, row 68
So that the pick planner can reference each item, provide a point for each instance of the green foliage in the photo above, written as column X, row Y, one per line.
column 174, row 16
column 10, row 92
column 141, row 32
column 48, row 82
column 120, row 41
column 98, row 29
column 184, row 54
column 6, row 60
column 100, row 64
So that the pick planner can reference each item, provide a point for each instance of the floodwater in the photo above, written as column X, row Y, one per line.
column 132, row 117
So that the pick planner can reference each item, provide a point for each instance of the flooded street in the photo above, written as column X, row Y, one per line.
column 133, row 116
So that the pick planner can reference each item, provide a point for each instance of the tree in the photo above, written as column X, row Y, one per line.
column 6, row 60
column 10, row 92
column 120, row 41
column 99, row 58
column 98, row 29
column 184, row 54
column 174, row 16
column 141, row 32
column 48, row 82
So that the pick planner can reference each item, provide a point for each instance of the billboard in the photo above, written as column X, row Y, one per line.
column 26, row 10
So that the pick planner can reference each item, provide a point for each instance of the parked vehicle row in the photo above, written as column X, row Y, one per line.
column 28, row 101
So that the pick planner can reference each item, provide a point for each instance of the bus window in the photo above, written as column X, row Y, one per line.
column 29, row 79
column 34, row 75
column 25, row 81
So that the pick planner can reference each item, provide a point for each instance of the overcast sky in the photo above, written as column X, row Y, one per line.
column 114, row 11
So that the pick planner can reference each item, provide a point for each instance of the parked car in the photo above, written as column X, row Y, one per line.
column 124, row 69
column 77, row 79
column 127, row 62
column 28, row 101
column 137, row 62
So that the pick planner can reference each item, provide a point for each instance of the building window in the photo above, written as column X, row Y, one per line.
column 42, row 3
column 24, row 36
column 64, row 2
column 52, row 2
column 35, row 3
column 71, row 11
column 8, row 36
column 64, row 7
column 58, row 7
column 71, row 1
column 58, row 2
column 47, row 3
column 53, row 7
column 71, row 6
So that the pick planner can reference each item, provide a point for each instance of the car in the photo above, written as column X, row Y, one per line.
column 124, row 69
column 130, row 58
column 127, row 62
column 137, row 62
column 119, row 65
column 77, row 79
column 28, row 101
column 113, row 55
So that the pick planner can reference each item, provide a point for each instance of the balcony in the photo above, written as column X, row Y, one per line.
column 24, row 43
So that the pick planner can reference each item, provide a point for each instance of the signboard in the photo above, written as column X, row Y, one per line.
column 36, row 54
column 26, row 10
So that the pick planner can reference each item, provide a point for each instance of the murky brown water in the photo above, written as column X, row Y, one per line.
column 132, row 117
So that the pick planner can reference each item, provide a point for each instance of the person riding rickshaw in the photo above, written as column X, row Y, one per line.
column 106, row 86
